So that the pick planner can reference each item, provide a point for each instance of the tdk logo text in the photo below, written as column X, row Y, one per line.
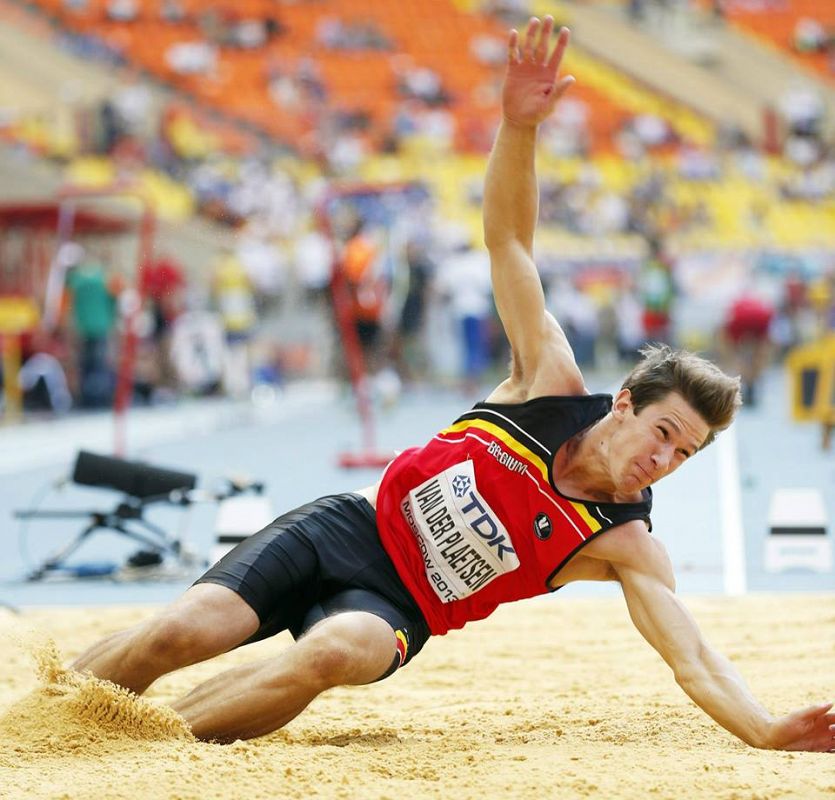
column 480, row 521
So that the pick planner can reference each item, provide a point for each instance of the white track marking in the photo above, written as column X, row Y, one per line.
column 734, row 579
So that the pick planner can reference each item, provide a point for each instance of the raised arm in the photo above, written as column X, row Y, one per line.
column 707, row 677
column 542, row 359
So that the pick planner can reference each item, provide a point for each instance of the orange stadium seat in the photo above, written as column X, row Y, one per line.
column 435, row 35
column 777, row 25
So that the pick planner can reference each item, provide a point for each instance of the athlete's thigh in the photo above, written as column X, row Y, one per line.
column 278, row 571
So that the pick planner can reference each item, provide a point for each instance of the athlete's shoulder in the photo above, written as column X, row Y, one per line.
column 548, row 419
column 629, row 544
column 582, row 409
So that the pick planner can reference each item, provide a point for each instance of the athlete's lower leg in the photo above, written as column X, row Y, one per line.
column 206, row 621
column 248, row 701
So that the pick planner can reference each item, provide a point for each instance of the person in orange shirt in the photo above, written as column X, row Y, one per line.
column 368, row 291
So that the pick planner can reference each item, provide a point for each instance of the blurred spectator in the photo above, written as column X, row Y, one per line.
column 313, row 261
column 230, row 27
column 748, row 158
column 132, row 102
column 487, row 49
column 746, row 337
column 192, row 58
column 815, row 183
column 172, row 11
column 368, row 291
column 698, row 163
column 342, row 150
column 198, row 351
column 94, row 318
column 264, row 197
column 630, row 325
column 215, row 23
column 509, row 12
column 236, row 303
column 283, row 86
column 265, row 265
column 405, row 122
column 163, row 283
column 336, row 34
column 122, row 10
column 803, row 151
column 250, row 34
column 803, row 110
column 644, row 133
column 608, row 215
column 646, row 195
column 577, row 314
column 107, row 127
column 566, row 132
column 783, row 331
column 652, row 130
column 408, row 354
column 44, row 384
column 437, row 125
column 655, row 283
column 809, row 36
column 42, row 378
column 309, row 78
column 821, row 296
column 419, row 82
column 463, row 278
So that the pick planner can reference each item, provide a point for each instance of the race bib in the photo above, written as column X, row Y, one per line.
column 463, row 543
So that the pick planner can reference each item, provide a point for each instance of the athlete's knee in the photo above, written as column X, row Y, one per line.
column 207, row 620
column 175, row 638
column 169, row 639
column 348, row 648
column 329, row 664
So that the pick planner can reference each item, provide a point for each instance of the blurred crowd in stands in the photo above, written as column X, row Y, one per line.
column 419, row 307
column 418, row 287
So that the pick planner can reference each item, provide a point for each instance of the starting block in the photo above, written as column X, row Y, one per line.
column 797, row 535
column 238, row 518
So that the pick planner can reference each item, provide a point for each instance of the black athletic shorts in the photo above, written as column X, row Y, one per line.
column 319, row 560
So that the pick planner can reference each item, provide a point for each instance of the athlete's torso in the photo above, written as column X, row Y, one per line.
column 474, row 518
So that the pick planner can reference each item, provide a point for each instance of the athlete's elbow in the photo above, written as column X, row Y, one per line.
column 497, row 238
column 504, row 240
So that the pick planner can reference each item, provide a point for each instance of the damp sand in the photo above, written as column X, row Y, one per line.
column 559, row 696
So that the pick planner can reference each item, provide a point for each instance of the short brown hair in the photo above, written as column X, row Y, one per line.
column 714, row 395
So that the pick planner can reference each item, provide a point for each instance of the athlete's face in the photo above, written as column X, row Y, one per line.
column 654, row 442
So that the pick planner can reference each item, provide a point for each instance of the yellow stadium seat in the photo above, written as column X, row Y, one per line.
column 91, row 171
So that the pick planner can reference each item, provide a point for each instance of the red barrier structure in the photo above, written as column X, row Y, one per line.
column 31, row 236
column 366, row 200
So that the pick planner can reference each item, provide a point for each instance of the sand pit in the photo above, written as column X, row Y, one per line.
column 560, row 696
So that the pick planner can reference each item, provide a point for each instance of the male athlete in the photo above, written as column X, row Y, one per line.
column 541, row 485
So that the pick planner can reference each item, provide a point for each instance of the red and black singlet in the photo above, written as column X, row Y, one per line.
column 473, row 519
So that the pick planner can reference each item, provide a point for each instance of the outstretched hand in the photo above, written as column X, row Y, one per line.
column 531, row 88
column 811, row 729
